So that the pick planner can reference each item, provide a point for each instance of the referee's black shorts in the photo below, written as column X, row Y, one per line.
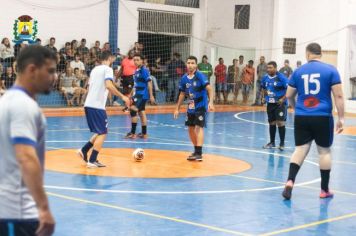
column 318, row 128
column 276, row 112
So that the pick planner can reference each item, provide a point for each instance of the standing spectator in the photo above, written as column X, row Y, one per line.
column 176, row 69
column 77, row 63
column 82, row 49
column 157, row 71
column 205, row 67
column 136, row 47
column 52, row 42
column 286, row 69
column 106, row 47
column 299, row 64
column 74, row 46
column 261, row 71
column 232, row 75
column 220, row 75
column 248, row 77
column 238, row 85
column 118, row 59
column 126, row 73
column 6, row 52
column 8, row 78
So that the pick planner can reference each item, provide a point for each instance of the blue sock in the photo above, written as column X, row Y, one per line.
column 93, row 156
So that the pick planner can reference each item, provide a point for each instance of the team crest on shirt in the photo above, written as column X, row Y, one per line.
column 275, row 83
column 195, row 83
column 187, row 85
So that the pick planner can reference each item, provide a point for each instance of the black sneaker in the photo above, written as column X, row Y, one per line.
column 287, row 192
column 281, row 147
column 269, row 146
column 195, row 157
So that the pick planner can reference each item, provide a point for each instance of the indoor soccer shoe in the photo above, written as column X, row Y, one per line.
column 144, row 136
column 287, row 192
column 82, row 156
column 328, row 194
column 195, row 157
column 281, row 147
column 130, row 135
column 269, row 146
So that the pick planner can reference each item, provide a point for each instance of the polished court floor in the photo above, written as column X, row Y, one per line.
column 236, row 190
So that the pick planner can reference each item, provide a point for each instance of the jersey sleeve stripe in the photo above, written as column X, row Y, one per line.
column 109, row 79
column 23, row 140
column 339, row 82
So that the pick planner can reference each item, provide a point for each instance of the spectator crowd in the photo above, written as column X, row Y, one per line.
column 75, row 60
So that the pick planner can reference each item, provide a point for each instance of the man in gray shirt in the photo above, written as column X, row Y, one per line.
column 261, row 71
column 24, row 208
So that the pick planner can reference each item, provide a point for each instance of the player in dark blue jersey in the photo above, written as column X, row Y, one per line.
column 274, row 87
column 195, row 86
column 314, row 83
column 141, row 93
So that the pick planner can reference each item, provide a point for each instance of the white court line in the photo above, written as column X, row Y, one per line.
column 237, row 116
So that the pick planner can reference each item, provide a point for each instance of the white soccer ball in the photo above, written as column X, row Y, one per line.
column 138, row 154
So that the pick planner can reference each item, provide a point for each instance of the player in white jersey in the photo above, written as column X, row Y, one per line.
column 24, row 208
column 100, row 83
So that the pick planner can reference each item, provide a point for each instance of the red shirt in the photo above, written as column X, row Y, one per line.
column 128, row 67
column 220, row 73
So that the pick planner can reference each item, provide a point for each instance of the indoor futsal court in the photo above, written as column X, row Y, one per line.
column 236, row 190
column 78, row 77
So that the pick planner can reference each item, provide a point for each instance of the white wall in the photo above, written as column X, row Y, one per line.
column 230, row 42
column 63, row 19
column 306, row 21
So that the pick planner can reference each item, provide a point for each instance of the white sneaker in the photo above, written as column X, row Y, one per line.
column 91, row 165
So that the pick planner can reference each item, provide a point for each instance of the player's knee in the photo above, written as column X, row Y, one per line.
column 133, row 113
column 272, row 122
column 280, row 123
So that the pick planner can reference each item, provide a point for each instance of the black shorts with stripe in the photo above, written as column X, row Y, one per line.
column 196, row 119
column 18, row 227
column 318, row 128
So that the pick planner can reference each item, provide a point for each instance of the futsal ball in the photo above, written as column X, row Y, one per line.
column 138, row 154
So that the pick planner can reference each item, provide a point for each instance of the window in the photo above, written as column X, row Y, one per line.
column 289, row 45
column 181, row 3
column 242, row 17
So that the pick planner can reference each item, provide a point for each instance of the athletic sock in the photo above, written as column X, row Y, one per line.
column 272, row 133
column 144, row 129
column 199, row 150
column 293, row 171
column 86, row 148
column 325, row 177
column 282, row 134
column 94, row 156
column 195, row 150
column 133, row 128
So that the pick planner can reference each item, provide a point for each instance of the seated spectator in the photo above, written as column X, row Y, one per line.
column 88, row 64
column 63, row 50
column 77, row 63
column 82, row 49
column 74, row 46
column 81, row 81
column 51, row 44
column 69, row 56
column 67, row 85
column 106, row 47
column 8, row 78
column 38, row 41
column 7, row 55
column 95, row 51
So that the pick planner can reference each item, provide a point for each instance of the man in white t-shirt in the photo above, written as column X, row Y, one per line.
column 77, row 63
column 101, row 81
column 24, row 207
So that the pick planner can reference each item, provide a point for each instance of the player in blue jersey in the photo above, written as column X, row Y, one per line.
column 195, row 86
column 314, row 83
column 274, row 87
column 142, row 92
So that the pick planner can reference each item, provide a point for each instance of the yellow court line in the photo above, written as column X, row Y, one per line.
column 310, row 224
column 147, row 214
